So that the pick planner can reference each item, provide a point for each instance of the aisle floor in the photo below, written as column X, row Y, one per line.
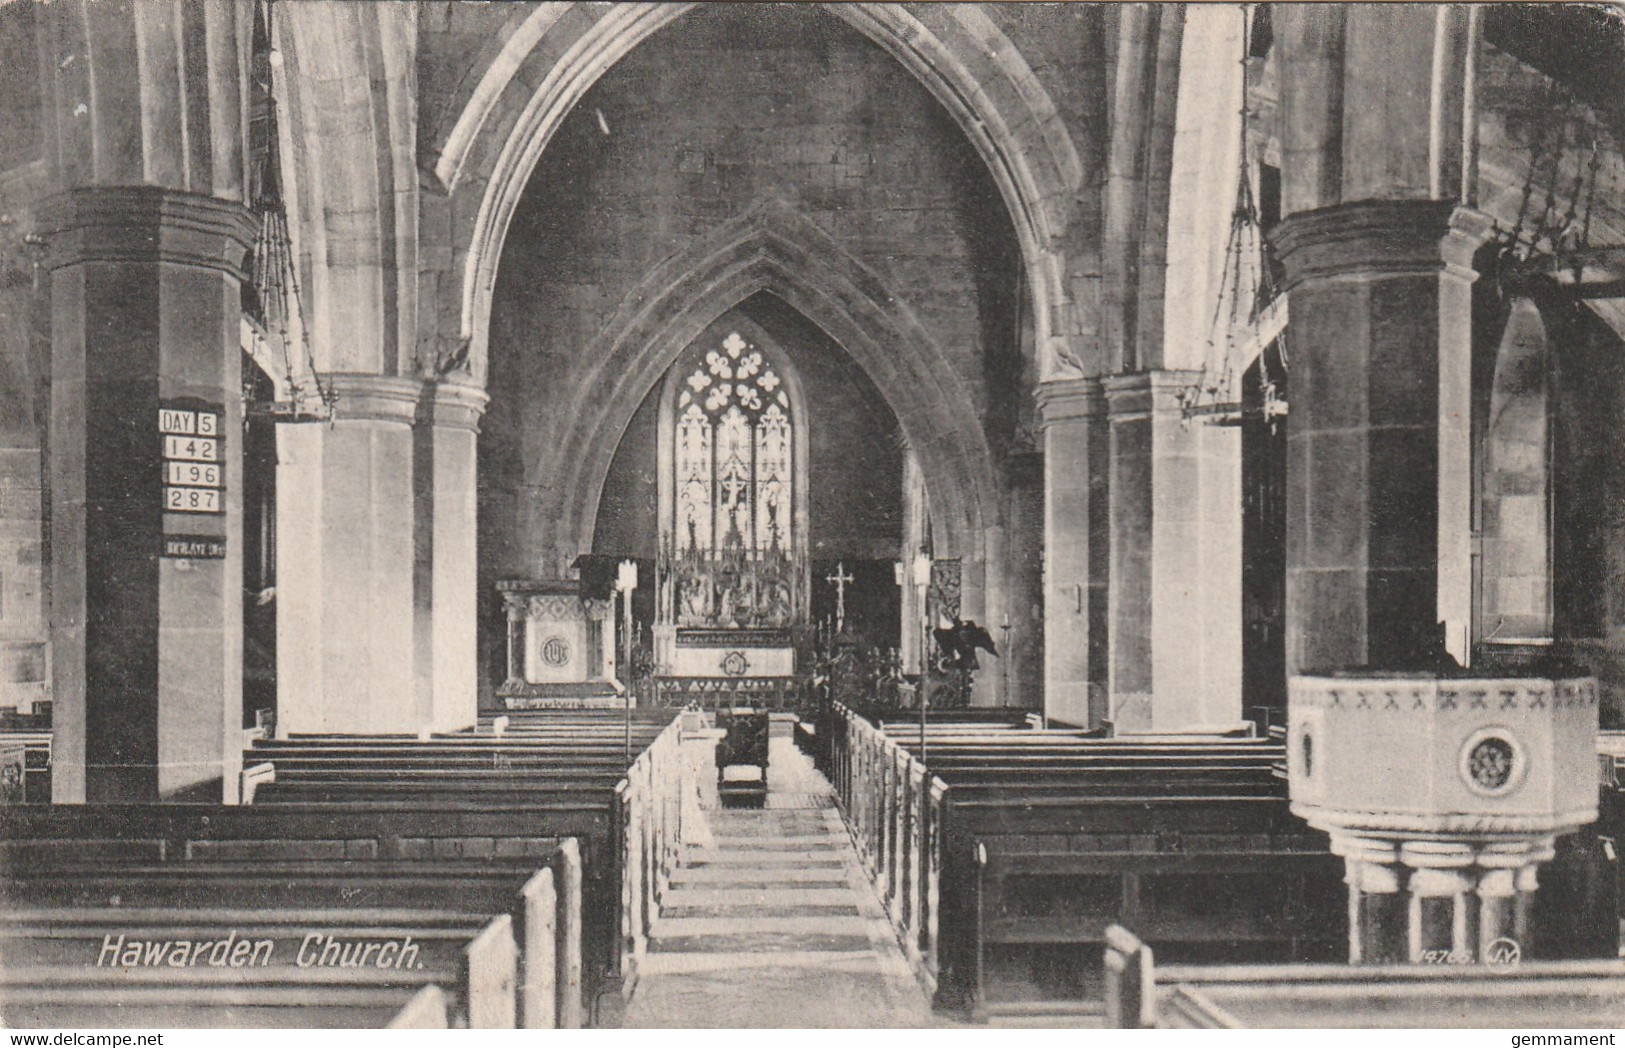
column 771, row 920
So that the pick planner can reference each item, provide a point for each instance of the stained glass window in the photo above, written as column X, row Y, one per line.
column 734, row 453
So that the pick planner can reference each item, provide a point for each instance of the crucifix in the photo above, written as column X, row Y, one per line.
column 840, row 579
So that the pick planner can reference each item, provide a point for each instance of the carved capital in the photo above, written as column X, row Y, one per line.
column 1066, row 400
column 376, row 398
column 454, row 405
column 1143, row 394
column 1380, row 238
column 146, row 224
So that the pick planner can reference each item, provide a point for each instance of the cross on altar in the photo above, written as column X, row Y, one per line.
column 840, row 579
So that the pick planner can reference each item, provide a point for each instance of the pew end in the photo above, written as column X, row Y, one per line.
column 425, row 1011
column 491, row 974
column 252, row 778
column 1188, row 1008
column 1130, row 981
column 538, row 934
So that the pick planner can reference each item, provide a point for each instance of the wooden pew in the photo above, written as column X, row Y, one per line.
column 1209, row 875
column 424, row 812
column 1526, row 995
column 411, row 772
column 460, row 844
column 481, row 791
column 1031, row 842
column 42, row 1000
column 483, row 967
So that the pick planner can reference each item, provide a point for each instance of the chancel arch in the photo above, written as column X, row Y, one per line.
column 895, row 242
column 511, row 110
column 773, row 250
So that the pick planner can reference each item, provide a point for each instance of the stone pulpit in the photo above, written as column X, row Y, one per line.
column 561, row 647
column 1444, row 795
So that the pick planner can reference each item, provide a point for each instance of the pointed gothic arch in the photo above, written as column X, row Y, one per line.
column 774, row 249
column 509, row 112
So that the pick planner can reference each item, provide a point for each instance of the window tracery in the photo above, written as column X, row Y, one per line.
column 732, row 556
column 735, row 454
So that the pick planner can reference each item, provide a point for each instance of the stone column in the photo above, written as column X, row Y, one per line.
column 1378, row 482
column 25, row 348
column 1508, row 878
column 1175, row 577
column 1516, row 600
column 1439, row 901
column 1072, row 414
column 1443, row 915
column 1378, row 917
column 346, row 529
column 146, row 648
column 446, row 592
column 915, row 512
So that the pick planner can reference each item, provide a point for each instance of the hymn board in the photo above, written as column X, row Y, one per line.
column 193, row 461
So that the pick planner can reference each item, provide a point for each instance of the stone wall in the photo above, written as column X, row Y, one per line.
column 715, row 113
column 24, row 356
column 20, row 117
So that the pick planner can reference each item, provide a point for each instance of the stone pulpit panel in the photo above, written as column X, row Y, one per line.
column 561, row 646
column 1444, row 795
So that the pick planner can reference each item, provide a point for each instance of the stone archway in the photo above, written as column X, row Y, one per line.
column 555, row 52
column 1516, row 601
column 772, row 248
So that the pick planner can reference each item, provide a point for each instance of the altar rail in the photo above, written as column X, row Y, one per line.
column 894, row 808
column 714, row 693
column 656, row 800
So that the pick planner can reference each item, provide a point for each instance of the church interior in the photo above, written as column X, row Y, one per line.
column 554, row 514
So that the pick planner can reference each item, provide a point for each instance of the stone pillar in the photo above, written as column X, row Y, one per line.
column 1377, row 911
column 24, row 359
column 1516, row 602
column 1072, row 414
column 1378, row 481
column 346, row 528
column 446, row 589
column 146, row 648
column 1443, row 916
column 1175, row 577
column 915, row 513
column 1020, row 663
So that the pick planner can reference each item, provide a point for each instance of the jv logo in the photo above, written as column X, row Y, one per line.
column 1503, row 951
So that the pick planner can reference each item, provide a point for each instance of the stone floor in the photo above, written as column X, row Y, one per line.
column 771, row 922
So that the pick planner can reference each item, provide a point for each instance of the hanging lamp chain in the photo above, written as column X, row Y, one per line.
column 274, row 272
column 1243, row 294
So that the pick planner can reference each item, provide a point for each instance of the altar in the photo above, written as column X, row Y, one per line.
column 727, row 629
